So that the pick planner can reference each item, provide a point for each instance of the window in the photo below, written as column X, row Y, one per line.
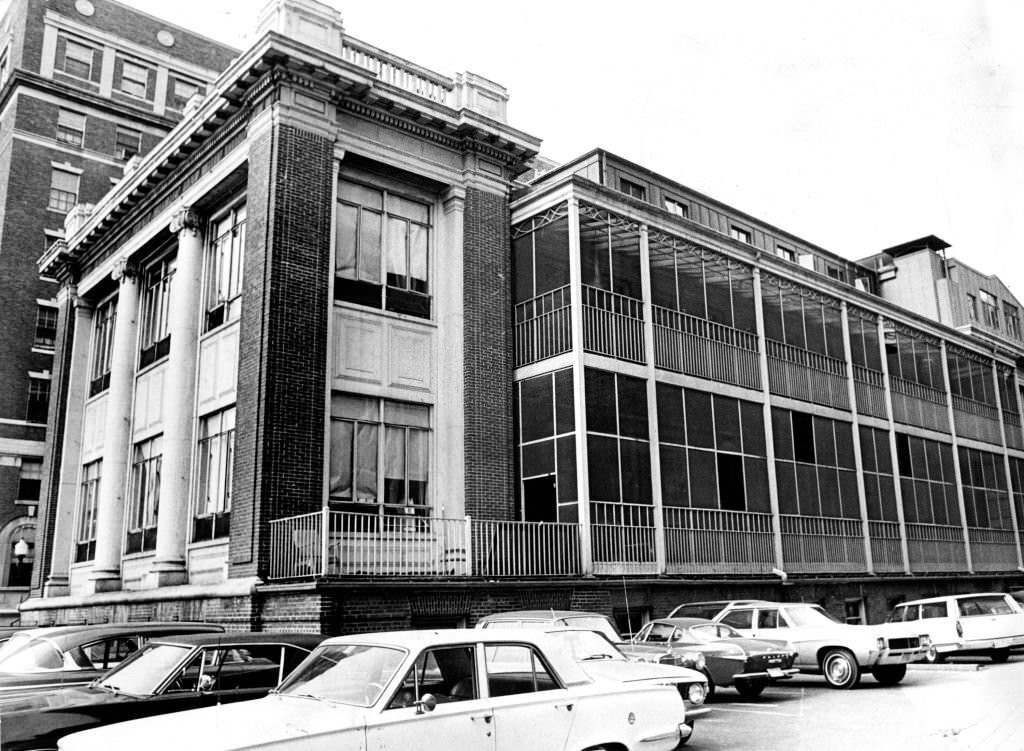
column 972, row 308
column 46, row 326
column 382, row 236
column 633, row 189
column 516, row 669
column 180, row 92
column 1012, row 317
column 737, row 233
column 675, row 207
column 155, row 338
column 927, row 481
column 134, row 79
column 989, row 308
column 144, row 498
column 836, row 273
column 448, row 673
column 38, row 399
column 102, row 346
column 787, row 253
column 224, row 268
column 63, row 189
column 814, row 465
column 369, row 435
column 20, row 572
column 127, row 143
column 78, row 59
column 739, row 619
column 105, row 654
column 30, row 479
column 70, row 127
column 88, row 502
column 214, row 476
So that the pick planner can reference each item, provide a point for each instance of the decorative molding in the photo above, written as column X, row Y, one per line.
column 124, row 268
column 185, row 219
column 785, row 285
column 453, row 199
column 537, row 221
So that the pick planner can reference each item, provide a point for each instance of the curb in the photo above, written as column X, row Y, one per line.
column 959, row 667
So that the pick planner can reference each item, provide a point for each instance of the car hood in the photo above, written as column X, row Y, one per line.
column 262, row 722
column 64, row 698
column 622, row 671
column 759, row 646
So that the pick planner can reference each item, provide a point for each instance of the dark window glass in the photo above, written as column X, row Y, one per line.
column 828, row 490
column 690, row 273
column 566, row 449
column 538, row 458
column 565, row 411
column 873, row 496
column 595, row 265
column 699, row 425
column 803, row 437
column 814, row 325
column 671, row 428
column 603, row 468
column 536, row 408
column 552, row 255
column 600, row 389
column 626, row 263
column 793, row 319
column 756, row 475
column 849, row 498
column 744, row 317
column 807, row 489
column 833, row 333
column 632, row 407
column 673, row 476
column 636, row 471
column 772, row 312
column 903, row 455
column 782, row 434
column 824, row 442
column 522, row 267
column 887, row 490
column 730, row 482
column 752, row 420
column 867, row 449
column 718, row 294
column 844, row 445
column 663, row 281
column 703, row 479
column 785, row 478
column 727, row 424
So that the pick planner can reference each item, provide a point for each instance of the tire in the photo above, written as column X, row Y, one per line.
column 999, row 655
column 750, row 689
column 889, row 675
column 840, row 669
column 693, row 729
column 711, row 686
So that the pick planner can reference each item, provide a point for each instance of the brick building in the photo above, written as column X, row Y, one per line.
column 86, row 86
column 339, row 357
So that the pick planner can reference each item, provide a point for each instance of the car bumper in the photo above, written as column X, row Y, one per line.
column 900, row 657
column 693, row 712
column 771, row 674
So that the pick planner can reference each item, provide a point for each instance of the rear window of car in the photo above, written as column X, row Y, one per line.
column 697, row 610
column 739, row 618
column 933, row 610
column 984, row 605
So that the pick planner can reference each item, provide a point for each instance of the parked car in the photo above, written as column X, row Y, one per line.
column 602, row 659
column 42, row 659
column 838, row 651
column 973, row 624
column 458, row 690
column 707, row 609
column 545, row 619
column 730, row 659
column 166, row 675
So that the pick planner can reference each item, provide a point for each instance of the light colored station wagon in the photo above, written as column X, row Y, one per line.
column 989, row 624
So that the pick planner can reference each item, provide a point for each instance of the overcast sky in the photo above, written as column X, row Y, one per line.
column 855, row 125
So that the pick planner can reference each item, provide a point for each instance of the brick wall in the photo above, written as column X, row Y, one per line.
column 282, row 370
column 487, row 261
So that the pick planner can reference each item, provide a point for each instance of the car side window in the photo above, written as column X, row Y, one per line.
column 739, row 618
column 516, row 669
column 660, row 632
column 252, row 666
column 448, row 673
column 912, row 613
column 200, row 673
column 984, row 605
column 768, row 619
column 107, row 653
column 933, row 610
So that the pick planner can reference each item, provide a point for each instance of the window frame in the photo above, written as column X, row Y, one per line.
column 38, row 397
column 154, row 324
column 122, row 149
column 133, row 79
column 223, row 303
column 40, row 338
column 212, row 521
column 69, row 130
column 676, row 207
column 740, row 234
column 89, row 485
column 89, row 66
column 141, row 513
column 61, row 199
column 104, row 322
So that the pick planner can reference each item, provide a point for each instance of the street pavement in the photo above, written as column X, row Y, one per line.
column 964, row 705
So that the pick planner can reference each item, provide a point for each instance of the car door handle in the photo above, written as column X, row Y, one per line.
column 566, row 707
column 485, row 717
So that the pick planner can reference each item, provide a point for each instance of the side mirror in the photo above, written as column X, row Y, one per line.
column 426, row 703
column 205, row 683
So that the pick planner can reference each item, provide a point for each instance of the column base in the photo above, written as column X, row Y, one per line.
column 105, row 581
column 167, row 574
column 56, row 586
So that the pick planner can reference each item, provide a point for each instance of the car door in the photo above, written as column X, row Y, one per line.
column 986, row 620
column 462, row 717
column 531, row 708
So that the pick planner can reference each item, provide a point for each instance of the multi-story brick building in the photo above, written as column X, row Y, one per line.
column 86, row 86
column 333, row 362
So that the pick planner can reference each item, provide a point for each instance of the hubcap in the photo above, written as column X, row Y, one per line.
column 838, row 670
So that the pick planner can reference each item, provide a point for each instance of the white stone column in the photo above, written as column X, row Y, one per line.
column 106, row 570
column 56, row 583
column 179, row 403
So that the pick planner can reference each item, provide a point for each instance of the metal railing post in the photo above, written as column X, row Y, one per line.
column 325, row 536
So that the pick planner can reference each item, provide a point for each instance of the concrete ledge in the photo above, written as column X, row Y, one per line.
column 961, row 667
column 231, row 588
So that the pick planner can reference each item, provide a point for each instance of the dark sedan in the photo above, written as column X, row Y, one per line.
column 42, row 659
column 166, row 675
column 749, row 665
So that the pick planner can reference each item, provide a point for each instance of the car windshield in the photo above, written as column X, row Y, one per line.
column 587, row 645
column 713, row 631
column 346, row 673
column 593, row 623
column 34, row 655
column 142, row 673
column 809, row 615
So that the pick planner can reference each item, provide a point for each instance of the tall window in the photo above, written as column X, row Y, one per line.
column 88, row 502
column 382, row 250
column 1012, row 316
column 134, row 79
column 78, row 59
column 788, row 253
column 380, row 452
column 70, row 127
column 63, row 189
column 46, row 326
column 927, row 481
column 20, row 573
column 547, row 447
column 102, row 346
column 155, row 338
column 989, row 308
column 144, row 501
column 38, row 399
column 972, row 307
column 618, row 442
column 879, row 483
column 814, row 465
column 212, row 516
column 30, row 479
column 986, row 496
column 224, row 268
column 127, row 142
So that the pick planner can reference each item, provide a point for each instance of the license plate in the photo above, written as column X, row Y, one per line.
column 775, row 673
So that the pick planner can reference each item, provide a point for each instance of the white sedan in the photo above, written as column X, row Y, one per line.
column 455, row 690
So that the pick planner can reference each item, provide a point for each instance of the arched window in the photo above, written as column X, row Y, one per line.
column 19, row 550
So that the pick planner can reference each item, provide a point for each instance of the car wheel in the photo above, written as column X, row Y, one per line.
column 711, row 686
column 889, row 675
column 934, row 656
column 999, row 655
column 750, row 689
column 840, row 668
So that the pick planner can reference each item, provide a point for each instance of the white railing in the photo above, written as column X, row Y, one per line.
column 543, row 327
column 524, row 549
column 1014, row 436
column 398, row 72
column 710, row 541
column 696, row 346
column 886, row 549
column 976, row 420
column 916, row 404
column 809, row 376
column 992, row 549
column 622, row 538
column 613, row 324
column 936, row 547
column 819, row 544
column 869, row 387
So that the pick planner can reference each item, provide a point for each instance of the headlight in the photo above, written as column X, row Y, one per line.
column 881, row 644
column 696, row 659
column 696, row 692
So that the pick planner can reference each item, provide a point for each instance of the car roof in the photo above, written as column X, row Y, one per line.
column 717, row 602
column 81, row 633
column 541, row 615
column 944, row 598
column 684, row 622
column 306, row 641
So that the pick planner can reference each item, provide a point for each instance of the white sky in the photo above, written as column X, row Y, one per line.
column 855, row 125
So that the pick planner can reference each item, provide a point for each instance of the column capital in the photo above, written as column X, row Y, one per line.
column 454, row 199
column 185, row 219
column 124, row 270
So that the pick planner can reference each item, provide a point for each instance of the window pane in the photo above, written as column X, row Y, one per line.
column 703, row 479
column 366, row 463
column 600, row 388
column 394, row 465
column 397, row 237
column 671, row 428
column 552, row 255
column 632, row 407
column 673, row 476
column 404, row 413
column 418, row 258
column 369, row 247
column 536, row 414
column 636, row 471
column 727, row 424
column 347, row 221
column 699, row 425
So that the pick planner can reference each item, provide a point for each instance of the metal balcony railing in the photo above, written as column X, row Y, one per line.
column 886, row 549
column 809, row 376
column 711, row 541
column 869, row 388
column 936, row 547
column 992, row 549
column 914, row 403
column 819, row 544
column 977, row 420
column 696, row 346
column 613, row 324
column 543, row 327
column 622, row 537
